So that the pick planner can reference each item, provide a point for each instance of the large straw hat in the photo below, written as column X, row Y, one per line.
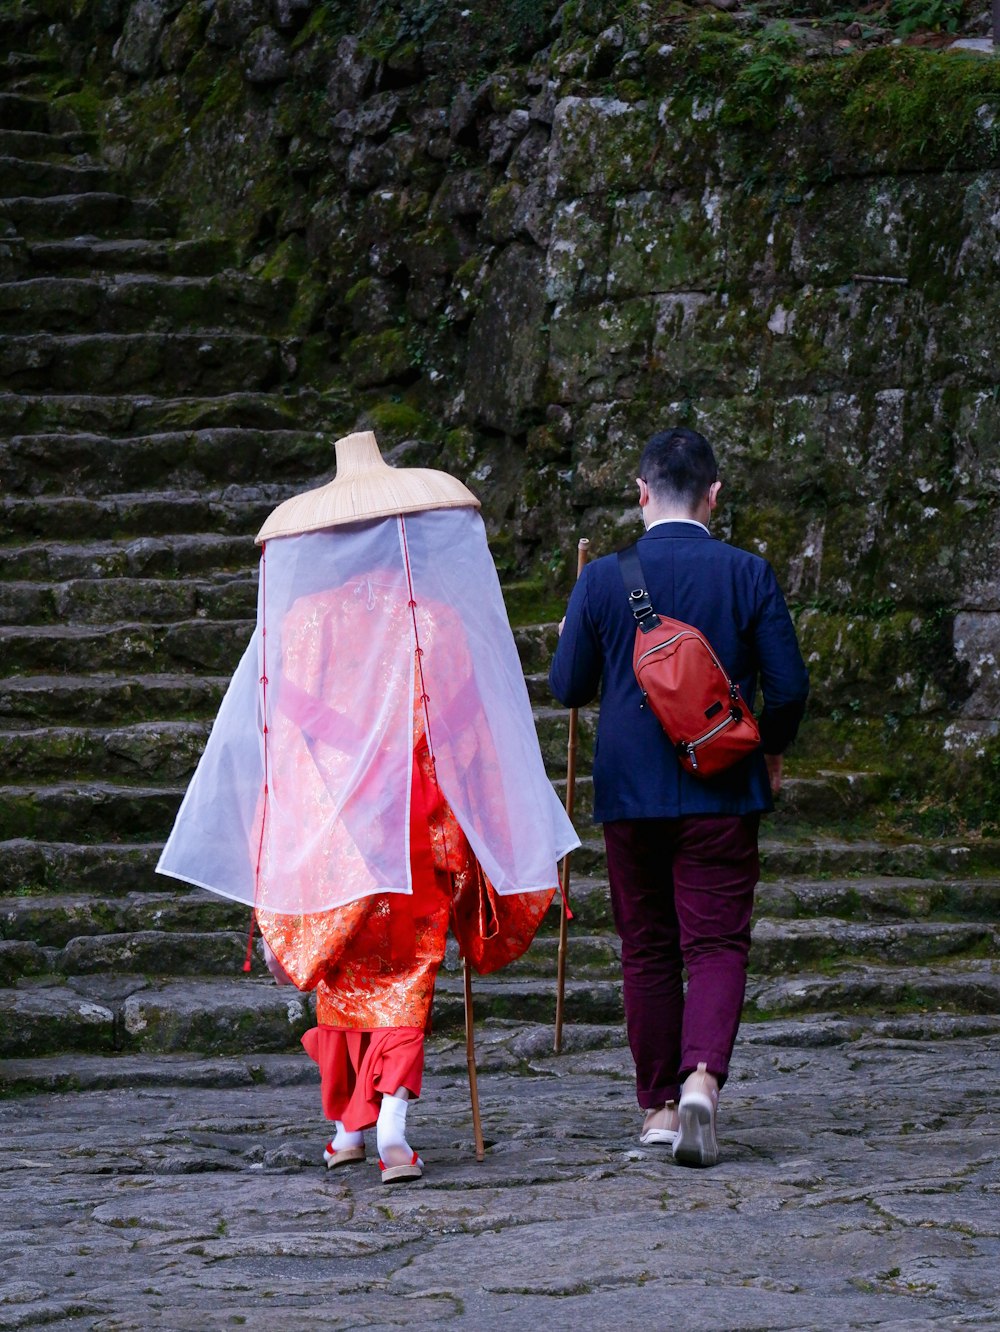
column 366, row 487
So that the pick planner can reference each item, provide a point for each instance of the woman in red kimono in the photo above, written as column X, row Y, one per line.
column 390, row 783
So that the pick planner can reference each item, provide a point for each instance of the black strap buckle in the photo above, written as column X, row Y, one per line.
column 638, row 598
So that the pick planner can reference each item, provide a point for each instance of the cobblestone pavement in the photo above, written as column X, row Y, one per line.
column 859, row 1188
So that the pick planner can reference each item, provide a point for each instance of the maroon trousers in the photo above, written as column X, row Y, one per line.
column 682, row 895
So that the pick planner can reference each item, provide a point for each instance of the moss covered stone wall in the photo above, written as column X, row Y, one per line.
column 526, row 236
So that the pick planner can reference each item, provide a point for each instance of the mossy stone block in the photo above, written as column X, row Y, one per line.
column 666, row 242
column 374, row 304
column 909, row 228
column 704, row 344
column 398, row 420
column 378, row 358
column 600, row 353
column 506, row 349
column 600, row 145
column 50, row 1020
column 576, row 264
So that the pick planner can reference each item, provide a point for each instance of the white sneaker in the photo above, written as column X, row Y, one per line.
column 654, row 1133
column 696, row 1143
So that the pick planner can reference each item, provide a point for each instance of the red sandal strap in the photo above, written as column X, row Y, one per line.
column 382, row 1165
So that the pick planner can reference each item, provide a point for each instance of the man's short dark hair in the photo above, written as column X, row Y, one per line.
column 678, row 465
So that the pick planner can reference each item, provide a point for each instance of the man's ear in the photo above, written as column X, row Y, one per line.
column 713, row 494
column 643, row 492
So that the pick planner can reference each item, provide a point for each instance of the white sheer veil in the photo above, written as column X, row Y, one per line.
column 301, row 799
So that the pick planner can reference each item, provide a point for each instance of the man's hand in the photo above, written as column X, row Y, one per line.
column 774, row 762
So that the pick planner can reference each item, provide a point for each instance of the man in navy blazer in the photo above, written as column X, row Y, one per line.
column 682, row 851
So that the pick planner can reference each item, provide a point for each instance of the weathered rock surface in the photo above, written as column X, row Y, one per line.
column 856, row 1189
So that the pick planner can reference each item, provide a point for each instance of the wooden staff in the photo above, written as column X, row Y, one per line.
column 470, row 1055
column 581, row 560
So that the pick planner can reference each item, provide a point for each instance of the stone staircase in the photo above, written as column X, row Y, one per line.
column 150, row 418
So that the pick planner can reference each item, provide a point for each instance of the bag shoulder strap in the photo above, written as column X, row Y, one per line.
column 630, row 568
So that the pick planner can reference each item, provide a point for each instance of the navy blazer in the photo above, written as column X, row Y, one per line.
column 734, row 599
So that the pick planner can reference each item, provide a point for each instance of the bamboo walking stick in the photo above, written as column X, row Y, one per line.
column 581, row 560
column 470, row 1055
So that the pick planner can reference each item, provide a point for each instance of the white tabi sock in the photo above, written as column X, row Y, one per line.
column 390, row 1128
column 343, row 1138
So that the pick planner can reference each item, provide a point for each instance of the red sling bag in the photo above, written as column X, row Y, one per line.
column 685, row 684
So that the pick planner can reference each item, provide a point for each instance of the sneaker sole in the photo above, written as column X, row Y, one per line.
column 696, row 1143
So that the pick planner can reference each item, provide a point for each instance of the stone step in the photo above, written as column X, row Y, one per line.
column 36, row 940
column 11, row 255
column 823, row 795
column 38, row 868
column 590, row 902
column 143, row 303
column 125, row 1011
column 151, row 953
column 536, row 645
column 826, row 796
column 166, row 362
column 39, row 145
column 119, row 699
column 143, row 953
column 552, row 725
column 167, row 749
column 783, row 947
column 63, row 1073
column 116, row 869
column 189, row 460
column 60, row 1073
column 538, row 688
column 969, row 986
column 23, row 113
column 819, row 1030
column 159, row 556
column 876, row 898
column 95, row 811
column 163, row 751
column 24, row 177
column 17, row 64
column 51, row 922
column 106, row 1013
column 824, row 799
column 232, row 509
column 587, row 892
column 583, row 792
column 86, row 255
column 820, row 857
column 103, row 1014
column 134, row 413
column 113, row 600
column 215, row 646
column 519, row 999
column 101, row 212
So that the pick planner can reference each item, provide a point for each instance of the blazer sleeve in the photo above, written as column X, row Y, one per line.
column 575, row 674
column 784, row 680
